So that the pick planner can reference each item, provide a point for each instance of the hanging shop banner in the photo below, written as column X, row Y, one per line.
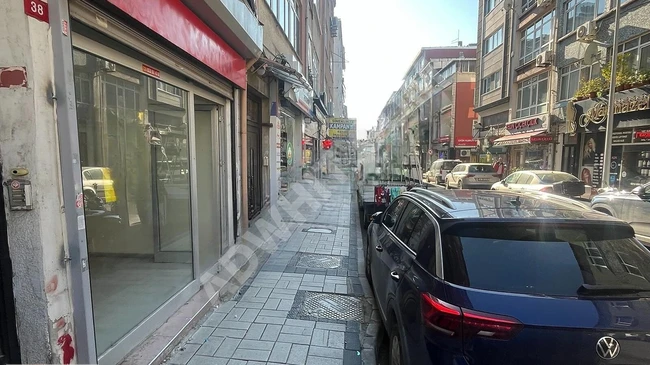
column 524, row 125
column 342, row 128
column 631, row 136
column 641, row 136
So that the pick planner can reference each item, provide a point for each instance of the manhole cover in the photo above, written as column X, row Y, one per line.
column 319, row 261
column 331, row 306
column 318, row 230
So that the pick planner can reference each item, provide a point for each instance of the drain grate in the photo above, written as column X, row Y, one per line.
column 331, row 306
column 318, row 230
column 319, row 261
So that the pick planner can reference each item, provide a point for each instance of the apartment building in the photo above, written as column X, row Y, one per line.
column 515, row 73
column 339, row 109
column 413, row 129
column 583, row 53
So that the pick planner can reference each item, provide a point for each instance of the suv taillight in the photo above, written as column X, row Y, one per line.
column 548, row 189
column 450, row 320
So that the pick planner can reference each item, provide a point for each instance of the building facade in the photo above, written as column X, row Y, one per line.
column 431, row 114
column 134, row 157
column 533, row 107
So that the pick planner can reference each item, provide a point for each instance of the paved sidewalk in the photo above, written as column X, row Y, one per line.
column 307, row 303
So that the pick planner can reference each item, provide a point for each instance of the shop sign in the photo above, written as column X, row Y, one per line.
column 465, row 142
column 523, row 125
column 341, row 128
column 541, row 139
column 641, row 136
column 444, row 139
column 578, row 115
column 304, row 100
column 150, row 71
column 620, row 137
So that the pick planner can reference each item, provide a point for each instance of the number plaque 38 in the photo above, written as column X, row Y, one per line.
column 37, row 9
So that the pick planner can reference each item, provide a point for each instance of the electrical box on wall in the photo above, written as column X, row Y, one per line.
column 19, row 194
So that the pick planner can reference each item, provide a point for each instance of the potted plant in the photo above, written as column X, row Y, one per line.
column 624, row 72
column 590, row 88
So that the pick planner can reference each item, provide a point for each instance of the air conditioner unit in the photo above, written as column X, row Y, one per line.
column 544, row 59
column 476, row 124
column 465, row 153
column 542, row 3
column 587, row 32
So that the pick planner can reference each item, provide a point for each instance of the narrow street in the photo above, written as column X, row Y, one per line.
column 308, row 302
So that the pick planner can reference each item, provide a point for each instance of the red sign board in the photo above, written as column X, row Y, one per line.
column 444, row 139
column 541, row 139
column 522, row 124
column 641, row 136
column 465, row 142
column 37, row 9
column 174, row 21
column 150, row 71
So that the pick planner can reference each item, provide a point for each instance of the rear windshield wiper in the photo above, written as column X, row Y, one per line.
column 590, row 289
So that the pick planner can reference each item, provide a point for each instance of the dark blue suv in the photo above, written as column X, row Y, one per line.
column 485, row 277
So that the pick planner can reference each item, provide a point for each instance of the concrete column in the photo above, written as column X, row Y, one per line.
column 28, row 139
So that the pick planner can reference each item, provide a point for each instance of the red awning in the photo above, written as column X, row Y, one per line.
column 523, row 138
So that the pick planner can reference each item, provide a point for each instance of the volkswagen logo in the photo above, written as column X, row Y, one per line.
column 607, row 347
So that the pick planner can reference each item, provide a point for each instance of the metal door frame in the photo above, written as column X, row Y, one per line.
column 9, row 345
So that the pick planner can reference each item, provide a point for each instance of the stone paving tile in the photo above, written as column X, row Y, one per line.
column 257, row 326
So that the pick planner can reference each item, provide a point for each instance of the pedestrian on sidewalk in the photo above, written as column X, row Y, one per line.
column 499, row 167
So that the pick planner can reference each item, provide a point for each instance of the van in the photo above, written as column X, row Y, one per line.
column 439, row 170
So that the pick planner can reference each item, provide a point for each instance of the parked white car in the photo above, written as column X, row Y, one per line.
column 439, row 170
column 471, row 176
column 556, row 182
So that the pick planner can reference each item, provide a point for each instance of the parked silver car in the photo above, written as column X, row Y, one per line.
column 555, row 182
column 471, row 176
column 632, row 207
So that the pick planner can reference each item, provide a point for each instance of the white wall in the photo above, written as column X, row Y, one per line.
column 28, row 138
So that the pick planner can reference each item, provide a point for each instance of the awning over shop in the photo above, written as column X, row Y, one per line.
column 523, row 138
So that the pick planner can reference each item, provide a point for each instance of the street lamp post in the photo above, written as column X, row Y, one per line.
column 609, row 127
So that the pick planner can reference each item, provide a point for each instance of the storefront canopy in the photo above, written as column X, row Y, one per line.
column 523, row 138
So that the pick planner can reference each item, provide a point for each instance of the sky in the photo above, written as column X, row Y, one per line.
column 382, row 39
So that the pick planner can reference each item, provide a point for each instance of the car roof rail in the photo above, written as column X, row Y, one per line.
column 436, row 197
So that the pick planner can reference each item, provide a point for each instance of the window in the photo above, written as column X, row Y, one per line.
column 512, row 178
column 491, row 82
column 393, row 212
column 570, row 78
column 578, row 12
column 557, row 260
column 532, row 96
column 287, row 16
column 524, row 179
column 489, row 5
column 639, row 51
column 424, row 232
column 481, row 168
column 407, row 224
column 527, row 4
column 493, row 41
column 536, row 38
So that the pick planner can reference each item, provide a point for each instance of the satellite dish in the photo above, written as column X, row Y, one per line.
column 591, row 53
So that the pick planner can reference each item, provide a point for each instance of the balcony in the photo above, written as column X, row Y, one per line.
column 234, row 21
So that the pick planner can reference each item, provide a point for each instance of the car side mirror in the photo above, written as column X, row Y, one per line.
column 504, row 183
column 638, row 191
column 376, row 218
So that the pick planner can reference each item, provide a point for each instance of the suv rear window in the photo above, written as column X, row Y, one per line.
column 448, row 165
column 481, row 168
column 549, row 259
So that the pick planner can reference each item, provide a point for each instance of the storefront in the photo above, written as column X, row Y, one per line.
column 528, row 145
column 295, row 107
column 466, row 149
column 630, row 162
column 154, row 134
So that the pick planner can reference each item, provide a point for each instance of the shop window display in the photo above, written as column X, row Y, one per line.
column 133, row 140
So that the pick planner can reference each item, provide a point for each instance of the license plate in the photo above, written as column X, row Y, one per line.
column 482, row 179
